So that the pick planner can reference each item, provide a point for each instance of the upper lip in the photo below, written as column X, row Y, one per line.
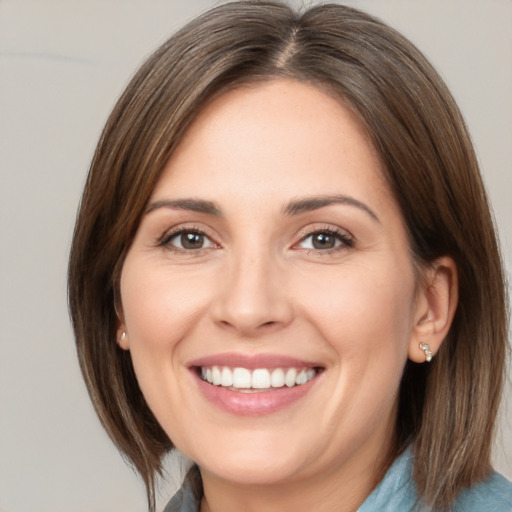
column 252, row 362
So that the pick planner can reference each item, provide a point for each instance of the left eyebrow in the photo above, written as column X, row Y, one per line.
column 309, row 204
column 194, row 205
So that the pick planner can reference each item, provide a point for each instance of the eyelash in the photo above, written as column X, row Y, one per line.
column 165, row 240
column 346, row 241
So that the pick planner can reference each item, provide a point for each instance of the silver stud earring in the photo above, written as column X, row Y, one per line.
column 122, row 337
column 428, row 352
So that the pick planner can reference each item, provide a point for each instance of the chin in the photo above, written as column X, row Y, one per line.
column 250, row 459
column 255, row 470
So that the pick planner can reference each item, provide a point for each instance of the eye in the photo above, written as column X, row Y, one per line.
column 187, row 240
column 325, row 240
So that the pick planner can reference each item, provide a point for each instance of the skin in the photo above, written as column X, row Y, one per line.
column 258, row 285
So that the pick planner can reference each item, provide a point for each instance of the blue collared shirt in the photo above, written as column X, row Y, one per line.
column 397, row 493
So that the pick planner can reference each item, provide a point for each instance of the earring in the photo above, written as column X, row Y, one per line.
column 428, row 352
column 122, row 337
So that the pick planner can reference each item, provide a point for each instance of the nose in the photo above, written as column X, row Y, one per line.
column 252, row 299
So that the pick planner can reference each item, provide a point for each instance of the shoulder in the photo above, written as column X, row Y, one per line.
column 491, row 495
column 185, row 500
column 397, row 492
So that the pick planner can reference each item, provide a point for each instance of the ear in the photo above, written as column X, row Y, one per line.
column 121, row 332
column 436, row 302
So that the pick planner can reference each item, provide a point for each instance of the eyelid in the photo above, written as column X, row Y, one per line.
column 168, row 235
column 345, row 237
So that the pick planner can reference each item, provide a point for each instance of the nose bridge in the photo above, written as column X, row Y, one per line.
column 253, row 297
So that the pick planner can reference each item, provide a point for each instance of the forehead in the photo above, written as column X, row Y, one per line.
column 278, row 137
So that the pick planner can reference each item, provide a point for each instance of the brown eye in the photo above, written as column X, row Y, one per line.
column 326, row 240
column 188, row 241
column 323, row 241
column 192, row 240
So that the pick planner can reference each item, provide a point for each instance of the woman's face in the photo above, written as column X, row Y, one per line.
column 269, row 296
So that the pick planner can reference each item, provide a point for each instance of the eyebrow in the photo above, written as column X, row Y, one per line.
column 295, row 207
column 309, row 204
column 193, row 205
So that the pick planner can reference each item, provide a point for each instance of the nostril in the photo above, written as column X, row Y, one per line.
column 226, row 323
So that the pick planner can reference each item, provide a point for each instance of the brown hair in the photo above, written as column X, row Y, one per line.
column 447, row 409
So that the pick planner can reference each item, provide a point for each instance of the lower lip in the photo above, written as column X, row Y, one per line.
column 253, row 403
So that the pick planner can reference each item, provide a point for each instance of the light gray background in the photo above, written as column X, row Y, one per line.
column 63, row 64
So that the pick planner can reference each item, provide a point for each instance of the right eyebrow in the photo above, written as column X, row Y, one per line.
column 308, row 204
column 193, row 205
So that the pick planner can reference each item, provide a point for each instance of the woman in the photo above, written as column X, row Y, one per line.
column 284, row 265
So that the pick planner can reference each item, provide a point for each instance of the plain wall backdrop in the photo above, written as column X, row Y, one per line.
column 63, row 63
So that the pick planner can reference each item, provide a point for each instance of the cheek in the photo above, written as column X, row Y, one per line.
column 154, row 300
column 363, row 311
column 159, row 308
column 366, row 319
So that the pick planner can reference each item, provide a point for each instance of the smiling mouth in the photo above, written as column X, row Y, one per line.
column 257, row 380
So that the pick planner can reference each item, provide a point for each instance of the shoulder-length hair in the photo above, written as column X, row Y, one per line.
column 447, row 410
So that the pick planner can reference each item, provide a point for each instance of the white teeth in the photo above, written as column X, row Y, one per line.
column 241, row 378
column 290, row 378
column 260, row 378
column 227, row 378
column 277, row 378
column 301, row 377
column 216, row 376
